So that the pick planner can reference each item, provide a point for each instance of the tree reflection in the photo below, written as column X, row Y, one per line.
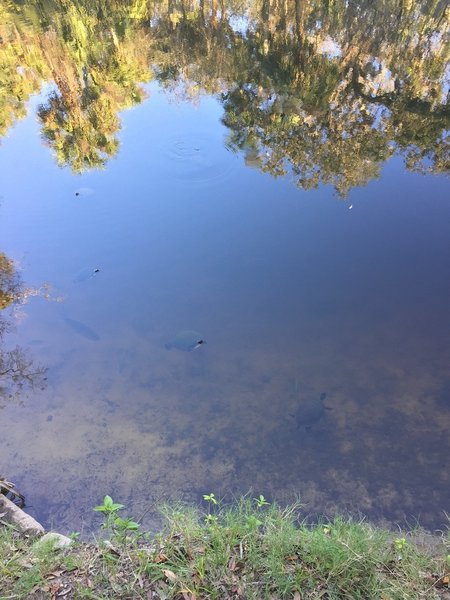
column 365, row 82
column 95, row 67
column 324, row 90
column 94, row 81
column 17, row 370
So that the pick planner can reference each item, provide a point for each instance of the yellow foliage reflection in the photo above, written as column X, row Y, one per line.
column 327, row 90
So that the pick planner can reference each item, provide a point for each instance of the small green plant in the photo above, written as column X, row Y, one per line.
column 253, row 523
column 110, row 509
column 261, row 501
column 400, row 544
column 124, row 525
column 212, row 501
column 210, row 498
column 211, row 519
column 117, row 525
column 201, row 568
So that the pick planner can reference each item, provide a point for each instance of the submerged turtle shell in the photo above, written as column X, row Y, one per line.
column 310, row 411
column 186, row 340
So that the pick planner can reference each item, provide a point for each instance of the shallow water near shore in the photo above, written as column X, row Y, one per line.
column 297, row 292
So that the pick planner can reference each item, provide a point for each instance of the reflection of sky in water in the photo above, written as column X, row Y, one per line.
column 239, row 24
column 294, row 293
column 329, row 47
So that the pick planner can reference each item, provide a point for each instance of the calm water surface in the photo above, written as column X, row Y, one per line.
column 342, row 289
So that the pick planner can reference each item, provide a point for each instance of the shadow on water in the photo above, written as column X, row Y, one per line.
column 295, row 294
column 82, row 329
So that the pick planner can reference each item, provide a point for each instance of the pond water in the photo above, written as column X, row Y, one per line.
column 272, row 182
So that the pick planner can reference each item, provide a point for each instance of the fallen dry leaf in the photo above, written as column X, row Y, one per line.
column 291, row 558
column 170, row 575
column 439, row 582
column 55, row 573
column 111, row 548
column 296, row 596
column 26, row 564
column 160, row 558
column 53, row 588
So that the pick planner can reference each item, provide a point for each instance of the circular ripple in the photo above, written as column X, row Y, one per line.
column 197, row 158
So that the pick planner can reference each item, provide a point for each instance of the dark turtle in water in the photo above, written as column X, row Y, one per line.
column 186, row 341
column 310, row 411
column 84, row 191
column 86, row 274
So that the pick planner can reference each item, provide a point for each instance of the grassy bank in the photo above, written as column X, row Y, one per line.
column 251, row 550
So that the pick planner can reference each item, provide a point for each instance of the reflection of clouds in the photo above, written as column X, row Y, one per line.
column 378, row 83
column 239, row 23
column 328, row 47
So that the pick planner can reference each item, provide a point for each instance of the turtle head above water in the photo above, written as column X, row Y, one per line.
column 199, row 343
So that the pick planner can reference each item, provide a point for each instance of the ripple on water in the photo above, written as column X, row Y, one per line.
column 197, row 158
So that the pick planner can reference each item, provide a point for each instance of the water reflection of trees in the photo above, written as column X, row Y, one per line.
column 17, row 369
column 325, row 90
